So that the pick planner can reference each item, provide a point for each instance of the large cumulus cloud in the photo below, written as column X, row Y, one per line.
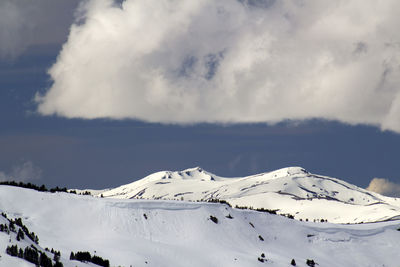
column 175, row 61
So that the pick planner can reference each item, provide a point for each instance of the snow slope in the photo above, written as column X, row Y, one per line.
column 291, row 190
column 131, row 232
column 9, row 238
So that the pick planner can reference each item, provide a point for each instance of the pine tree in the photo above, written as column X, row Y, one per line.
column 31, row 255
column 12, row 226
column 56, row 256
column 44, row 260
column 20, row 234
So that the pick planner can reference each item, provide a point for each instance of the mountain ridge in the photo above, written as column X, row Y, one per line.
column 291, row 190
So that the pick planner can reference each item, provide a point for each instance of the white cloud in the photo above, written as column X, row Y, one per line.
column 384, row 187
column 174, row 61
column 23, row 172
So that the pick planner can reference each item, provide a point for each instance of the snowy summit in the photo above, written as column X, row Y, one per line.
column 291, row 190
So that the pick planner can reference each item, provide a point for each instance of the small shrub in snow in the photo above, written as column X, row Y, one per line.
column 261, row 238
column 262, row 258
column 214, row 219
column 310, row 263
column 289, row 216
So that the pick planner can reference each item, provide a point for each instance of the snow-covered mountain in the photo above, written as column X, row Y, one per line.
column 290, row 190
column 132, row 232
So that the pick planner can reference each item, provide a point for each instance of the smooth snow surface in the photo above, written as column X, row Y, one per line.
column 290, row 190
column 179, row 233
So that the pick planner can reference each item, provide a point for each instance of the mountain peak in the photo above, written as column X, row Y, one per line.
column 291, row 190
column 284, row 172
column 295, row 170
column 195, row 169
column 195, row 173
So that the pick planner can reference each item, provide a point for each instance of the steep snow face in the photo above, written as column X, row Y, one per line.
column 131, row 232
column 291, row 190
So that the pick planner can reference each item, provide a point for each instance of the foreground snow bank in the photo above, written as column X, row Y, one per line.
column 179, row 233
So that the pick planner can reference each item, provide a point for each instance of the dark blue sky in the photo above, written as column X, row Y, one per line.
column 107, row 153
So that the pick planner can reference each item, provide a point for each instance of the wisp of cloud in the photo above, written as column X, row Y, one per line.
column 26, row 171
column 227, row 61
column 384, row 187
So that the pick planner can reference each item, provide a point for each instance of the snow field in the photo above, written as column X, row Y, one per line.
column 179, row 233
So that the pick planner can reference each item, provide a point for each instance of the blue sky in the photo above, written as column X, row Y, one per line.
column 82, row 150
